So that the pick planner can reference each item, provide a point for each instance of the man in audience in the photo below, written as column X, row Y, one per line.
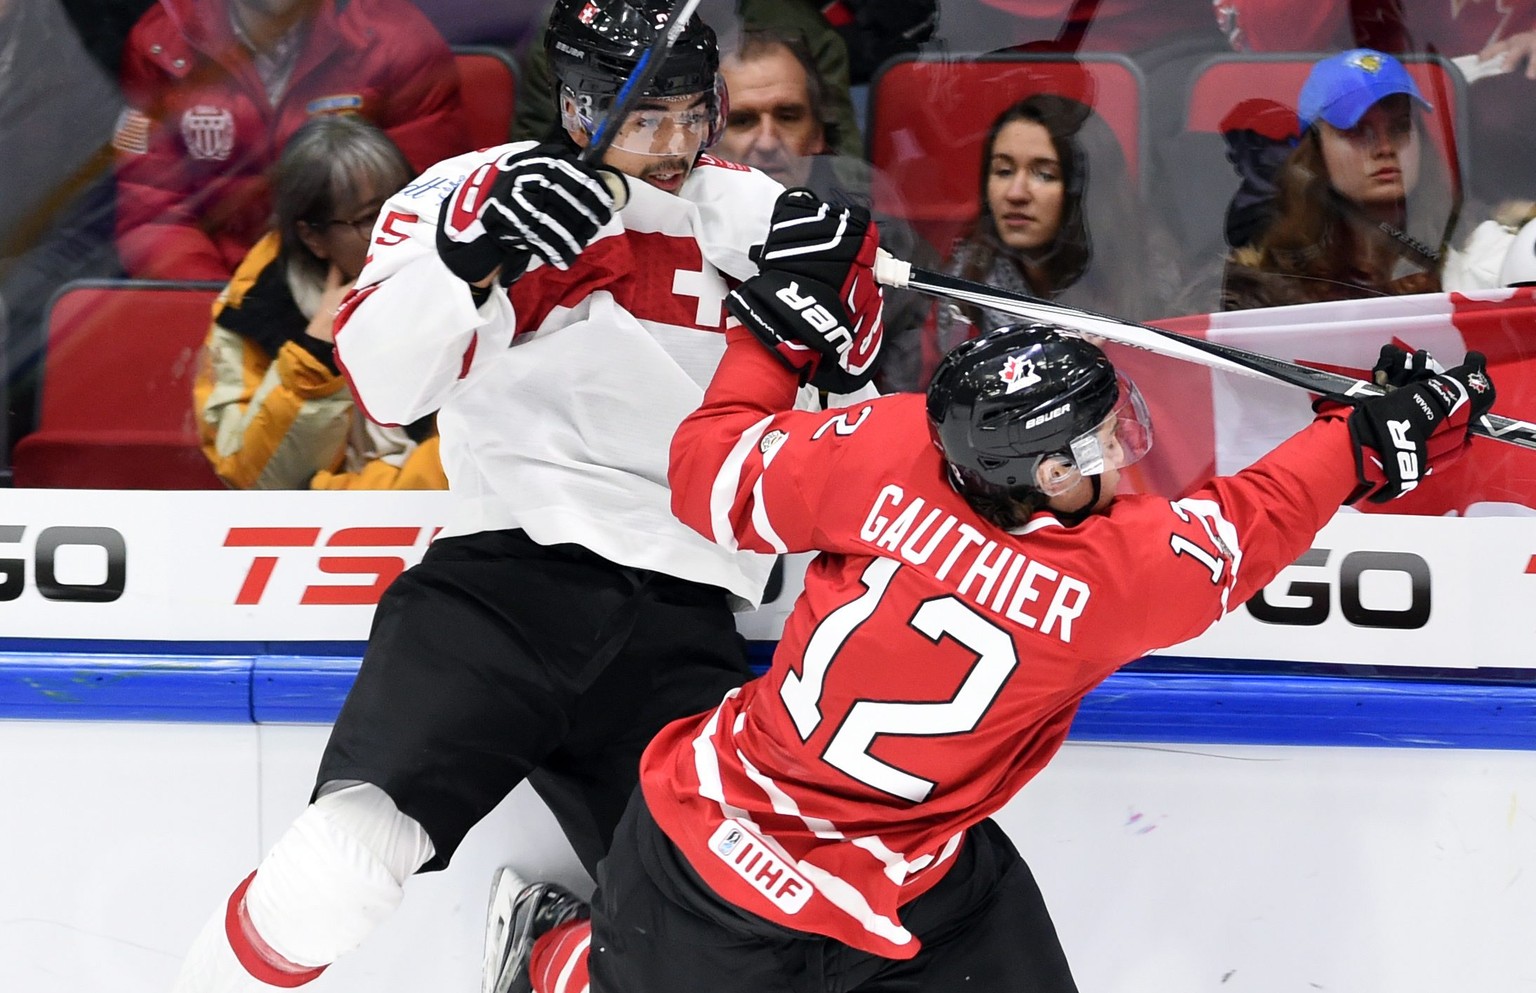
column 781, row 122
column 216, row 87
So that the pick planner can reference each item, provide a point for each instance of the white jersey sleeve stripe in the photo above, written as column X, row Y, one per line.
column 760, row 521
column 722, row 495
column 842, row 893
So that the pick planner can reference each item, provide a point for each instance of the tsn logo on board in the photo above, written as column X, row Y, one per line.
column 70, row 564
column 353, row 551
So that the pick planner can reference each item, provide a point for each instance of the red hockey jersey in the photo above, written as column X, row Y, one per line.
column 935, row 661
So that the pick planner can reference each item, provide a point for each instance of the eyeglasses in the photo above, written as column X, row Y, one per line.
column 362, row 225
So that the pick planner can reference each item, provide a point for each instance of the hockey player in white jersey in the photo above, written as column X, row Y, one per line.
column 563, row 615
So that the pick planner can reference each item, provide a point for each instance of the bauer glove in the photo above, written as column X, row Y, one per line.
column 1395, row 367
column 1402, row 436
column 815, row 301
column 541, row 203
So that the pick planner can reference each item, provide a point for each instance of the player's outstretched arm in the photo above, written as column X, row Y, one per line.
column 1233, row 535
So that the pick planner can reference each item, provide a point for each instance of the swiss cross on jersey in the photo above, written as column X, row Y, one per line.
column 588, row 14
column 659, row 278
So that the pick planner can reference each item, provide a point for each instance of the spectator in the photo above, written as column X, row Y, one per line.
column 1491, row 255
column 780, row 121
column 1492, row 44
column 876, row 30
column 1058, row 219
column 536, row 89
column 977, row 576
column 1360, row 211
column 1129, row 27
column 1519, row 267
column 273, row 410
column 57, row 109
column 216, row 87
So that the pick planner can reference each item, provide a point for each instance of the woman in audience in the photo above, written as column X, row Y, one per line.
column 1058, row 220
column 1360, row 210
column 274, row 411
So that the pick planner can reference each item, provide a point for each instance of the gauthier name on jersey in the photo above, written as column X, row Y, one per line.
column 996, row 577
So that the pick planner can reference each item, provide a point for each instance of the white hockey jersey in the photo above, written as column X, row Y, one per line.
column 557, row 399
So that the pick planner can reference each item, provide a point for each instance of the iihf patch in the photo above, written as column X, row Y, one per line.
column 208, row 132
column 340, row 103
column 131, row 135
column 772, row 440
column 763, row 869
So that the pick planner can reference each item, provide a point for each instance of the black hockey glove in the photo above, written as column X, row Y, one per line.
column 1405, row 435
column 536, row 204
column 1397, row 367
column 815, row 301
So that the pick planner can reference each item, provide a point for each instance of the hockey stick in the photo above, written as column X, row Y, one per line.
column 629, row 94
column 893, row 272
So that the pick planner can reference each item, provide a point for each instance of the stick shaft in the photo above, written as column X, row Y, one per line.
column 1215, row 355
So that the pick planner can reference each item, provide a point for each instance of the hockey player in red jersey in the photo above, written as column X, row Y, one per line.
column 826, row 827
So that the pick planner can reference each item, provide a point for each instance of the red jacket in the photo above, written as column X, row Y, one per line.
column 199, row 135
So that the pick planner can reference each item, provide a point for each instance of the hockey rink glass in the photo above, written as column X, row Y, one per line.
column 1122, row 438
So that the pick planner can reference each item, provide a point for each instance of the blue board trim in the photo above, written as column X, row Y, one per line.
column 305, row 684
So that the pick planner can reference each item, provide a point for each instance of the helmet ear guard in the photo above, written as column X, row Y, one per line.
column 1055, row 475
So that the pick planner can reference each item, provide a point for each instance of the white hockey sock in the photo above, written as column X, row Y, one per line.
column 329, row 881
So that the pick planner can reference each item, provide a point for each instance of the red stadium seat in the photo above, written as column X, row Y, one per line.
column 929, row 118
column 488, row 83
column 115, row 410
column 1237, row 91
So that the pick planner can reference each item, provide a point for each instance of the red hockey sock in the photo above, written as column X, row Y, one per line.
column 559, row 960
column 256, row 956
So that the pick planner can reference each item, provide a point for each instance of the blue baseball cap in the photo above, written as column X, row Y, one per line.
column 1341, row 88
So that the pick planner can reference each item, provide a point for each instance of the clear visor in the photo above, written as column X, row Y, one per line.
column 660, row 126
column 1122, row 438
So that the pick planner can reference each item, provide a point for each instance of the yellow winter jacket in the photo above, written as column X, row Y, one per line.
column 291, row 423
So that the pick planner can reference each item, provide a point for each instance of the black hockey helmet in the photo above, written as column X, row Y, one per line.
column 593, row 48
column 1026, row 395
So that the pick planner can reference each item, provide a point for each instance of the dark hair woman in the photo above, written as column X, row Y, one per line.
column 1058, row 218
